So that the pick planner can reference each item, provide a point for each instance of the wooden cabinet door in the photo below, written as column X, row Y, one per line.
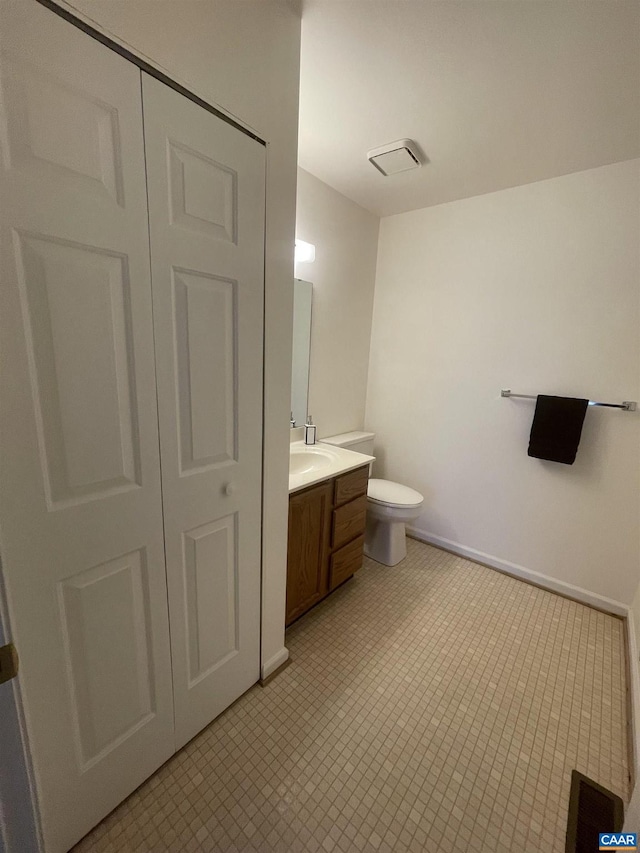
column 308, row 560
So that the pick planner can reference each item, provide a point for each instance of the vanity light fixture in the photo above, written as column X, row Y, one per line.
column 305, row 252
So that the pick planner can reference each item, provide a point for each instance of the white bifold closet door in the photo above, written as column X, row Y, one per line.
column 80, row 502
column 99, row 344
column 206, row 210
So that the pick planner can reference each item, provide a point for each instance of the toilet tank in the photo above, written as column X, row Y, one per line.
column 361, row 442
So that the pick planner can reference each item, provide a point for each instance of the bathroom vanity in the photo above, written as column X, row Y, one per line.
column 327, row 490
column 326, row 537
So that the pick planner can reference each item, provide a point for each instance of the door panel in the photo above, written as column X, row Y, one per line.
column 107, row 652
column 206, row 342
column 80, row 503
column 211, row 585
column 206, row 205
column 77, row 317
column 59, row 125
column 203, row 193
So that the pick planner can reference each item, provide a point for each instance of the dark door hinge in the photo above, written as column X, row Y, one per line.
column 8, row 662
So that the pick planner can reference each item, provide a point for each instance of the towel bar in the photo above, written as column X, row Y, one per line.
column 626, row 405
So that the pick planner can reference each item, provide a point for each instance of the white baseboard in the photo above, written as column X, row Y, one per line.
column 568, row 589
column 274, row 662
column 634, row 677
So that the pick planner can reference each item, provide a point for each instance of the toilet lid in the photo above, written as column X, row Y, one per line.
column 393, row 494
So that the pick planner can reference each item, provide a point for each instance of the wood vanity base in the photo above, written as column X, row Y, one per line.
column 326, row 539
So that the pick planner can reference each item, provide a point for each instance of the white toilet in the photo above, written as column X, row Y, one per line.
column 389, row 506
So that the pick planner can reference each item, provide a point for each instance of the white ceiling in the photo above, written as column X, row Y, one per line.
column 497, row 93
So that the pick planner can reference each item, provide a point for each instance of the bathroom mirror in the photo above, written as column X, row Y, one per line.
column 302, row 294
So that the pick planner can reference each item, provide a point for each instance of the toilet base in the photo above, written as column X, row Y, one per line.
column 385, row 541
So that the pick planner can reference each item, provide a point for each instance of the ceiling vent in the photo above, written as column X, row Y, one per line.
column 395, row 157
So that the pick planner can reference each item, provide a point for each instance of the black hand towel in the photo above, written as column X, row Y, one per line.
column 556, row 428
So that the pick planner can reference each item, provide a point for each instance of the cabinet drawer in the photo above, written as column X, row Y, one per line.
column 345, row 562
column 351, row 485
column 348, row 521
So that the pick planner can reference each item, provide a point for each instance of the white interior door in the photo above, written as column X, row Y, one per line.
column 206, row 209
column 80, row 503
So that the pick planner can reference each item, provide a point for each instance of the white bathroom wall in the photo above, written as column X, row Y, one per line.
column 536, row 289
column 243, row 58
column 343, row 275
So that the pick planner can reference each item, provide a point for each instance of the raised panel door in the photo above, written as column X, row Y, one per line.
column 206, row 206
column 80, row 502
column 308, row 549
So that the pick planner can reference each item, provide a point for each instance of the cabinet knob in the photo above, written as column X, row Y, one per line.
column 229, row 489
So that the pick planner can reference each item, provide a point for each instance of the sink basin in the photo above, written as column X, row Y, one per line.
column 304, row 461
column 314, row 463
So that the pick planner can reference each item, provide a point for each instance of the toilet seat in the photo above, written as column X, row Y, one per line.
column 388, row 493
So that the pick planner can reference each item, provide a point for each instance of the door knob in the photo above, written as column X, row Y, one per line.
column 229, row 489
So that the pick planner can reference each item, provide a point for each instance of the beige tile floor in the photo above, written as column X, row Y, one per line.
column 436, row 706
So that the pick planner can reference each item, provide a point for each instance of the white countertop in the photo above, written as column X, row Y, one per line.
column 341, row 461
